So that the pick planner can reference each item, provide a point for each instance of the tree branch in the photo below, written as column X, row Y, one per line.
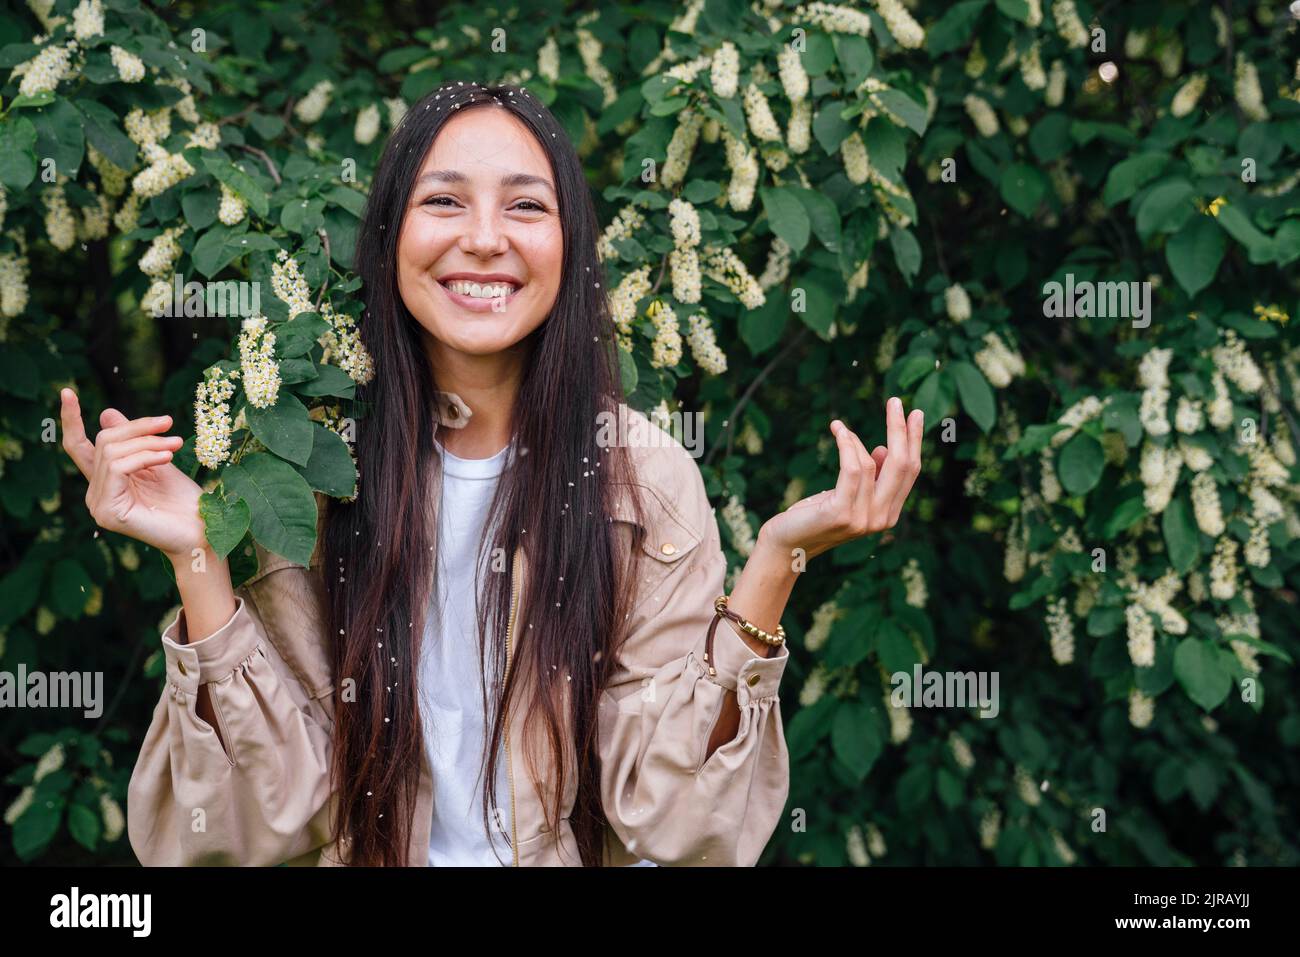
column 749, row 391
column 261, row 154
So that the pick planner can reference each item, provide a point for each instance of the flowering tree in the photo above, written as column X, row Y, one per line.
column 1063, row 231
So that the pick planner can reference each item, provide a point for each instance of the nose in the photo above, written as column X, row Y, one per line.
column 483, row 235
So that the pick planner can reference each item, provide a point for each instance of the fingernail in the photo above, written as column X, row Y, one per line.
column 897, row 403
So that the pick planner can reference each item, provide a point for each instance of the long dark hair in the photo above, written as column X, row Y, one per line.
column 554, row 499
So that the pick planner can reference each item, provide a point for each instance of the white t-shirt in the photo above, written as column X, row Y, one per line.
column 455, row 726
column 450, row 691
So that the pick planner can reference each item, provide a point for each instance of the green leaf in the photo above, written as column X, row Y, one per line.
column 907, row 253
column 823, row 214
column 1080, row 464
column 238, row 181
column 1128, row 175
column 895, row 650
column 905, row 108
column 104, row 133
column 59, row 135
column 787, row 216
column 37, row 827
column 330, row 380
column 955, row 27
column 283, row 509
column 17, row 153
column 1194, row 254
column 1259, row 247
column 856, row 738
column 330, row 468
column 84, row 825
column 1166, row 207
column 975, row 393
column 1050, row 137
column 828, row 127
column 1182, row 538
column 284, row 428
column 200, row 208
column 70, row 587
column 225, row 521
column 934, row 397
column 761, row 328
column 1199, row 668
column 1023, row 188
column 1015, row 9
column 912, row 368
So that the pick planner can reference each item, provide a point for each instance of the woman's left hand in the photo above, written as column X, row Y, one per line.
column 868, row 496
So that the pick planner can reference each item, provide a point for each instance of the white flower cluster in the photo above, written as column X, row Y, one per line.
column 684, row 259
column 233, row 208
column 999, row 363
column 724, row 71
column 164, row 171
column 737, row 522
column 1141, row 636
column 1158, row 469
column 1188, row 95
column 1258, row 553
column 666, row 349
column 396, row 107
column 1158, row 597
column 625, row 223
column 1220, row 407
column 957, row 302
column 88, row 20
column 1031, row 68
column 367, row 125
column 758, row 112
column 1153, row 375
column 678, row 157
column 981, row 114
column 162, row 253
column 1060, row 630
column 1068, row 24
column 1245, row 87
column 799, row 132
column 855, row 848
column 857, row 167
column 1015, row 558
column 1076, row 416
column 723, row 265
column 900, row 721
column 1049, row 484
column 914, row 583
column 289, row 285
column 1206, row 504
column 590, row 49
column 688, row 70
column 1189, row 416
column 205, row 136
column 114, row 819
column 1026, row 788
column 902, row 26
column 777, row 268
column 1223, row 569
column 43, row 72
column 834, row 18
column 130, row 68
column 1056, row 79
column 257, row 364
column 704, row 344
column 990, row 829
column 60, row 226
column 145, row 128
column 961, row 751
column 312, row 106
column 212, row 425
column 548, row 60
column 1141, row 709
column 827, row 613
column 1235, row 362
column 815, row 686
column 742, row 160
column 13, row 284
column 794, row 78
column 622, row 304
column 343, row 345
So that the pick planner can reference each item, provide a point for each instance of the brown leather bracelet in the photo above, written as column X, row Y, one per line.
column 720, row 610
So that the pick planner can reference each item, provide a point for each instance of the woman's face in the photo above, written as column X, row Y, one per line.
column 480, row 252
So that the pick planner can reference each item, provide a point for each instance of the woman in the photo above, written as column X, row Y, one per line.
column 507, row 648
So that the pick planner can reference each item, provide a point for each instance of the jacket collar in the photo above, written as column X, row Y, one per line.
column 451, row 410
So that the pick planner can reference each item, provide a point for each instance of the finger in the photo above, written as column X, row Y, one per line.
column 124, row 467
column 111, row 418
column 862, row 504
column 915, row 429
column 850, row 477
column 79, row 448
column 891, row 479
column 879, row 455
column 133, row 427
column 112, row 451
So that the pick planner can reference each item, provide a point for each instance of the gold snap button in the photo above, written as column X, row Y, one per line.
column 181, row 666
column 668, row 548
column 753, row 680
column 453, row 411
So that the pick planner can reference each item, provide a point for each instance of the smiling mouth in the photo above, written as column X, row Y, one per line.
column 467, row 289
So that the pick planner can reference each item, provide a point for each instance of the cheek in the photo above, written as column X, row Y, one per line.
column 422, row 242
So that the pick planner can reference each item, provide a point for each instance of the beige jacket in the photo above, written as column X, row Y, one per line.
column 267, row 799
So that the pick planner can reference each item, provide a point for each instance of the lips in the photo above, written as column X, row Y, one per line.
column 480, row 293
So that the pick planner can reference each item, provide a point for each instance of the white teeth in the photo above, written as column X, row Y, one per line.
column 475, row 290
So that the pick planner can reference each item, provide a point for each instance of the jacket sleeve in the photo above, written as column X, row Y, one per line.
column 664, row 800
column 263, row 797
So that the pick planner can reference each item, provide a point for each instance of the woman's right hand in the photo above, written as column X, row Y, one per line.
column 134, row 488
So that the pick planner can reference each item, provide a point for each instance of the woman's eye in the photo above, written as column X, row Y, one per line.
column 529, row 206
column 439, row 201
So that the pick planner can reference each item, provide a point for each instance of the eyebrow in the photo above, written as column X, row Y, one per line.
column 509, row 180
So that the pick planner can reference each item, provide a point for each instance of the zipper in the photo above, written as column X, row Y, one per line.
column 510, row 627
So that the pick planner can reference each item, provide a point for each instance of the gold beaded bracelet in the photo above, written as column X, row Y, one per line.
column 720, row 606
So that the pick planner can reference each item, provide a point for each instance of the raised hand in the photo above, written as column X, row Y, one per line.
column 133, row 487
column 868, row 496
